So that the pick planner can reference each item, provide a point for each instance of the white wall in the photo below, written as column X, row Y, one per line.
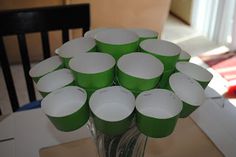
column 213, row 19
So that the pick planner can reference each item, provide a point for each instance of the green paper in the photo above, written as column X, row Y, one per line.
column 73, row 121
column 113, row 128
column 117, row 50
column 154, row 127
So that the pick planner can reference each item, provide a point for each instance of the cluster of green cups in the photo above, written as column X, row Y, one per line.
column 117, row 76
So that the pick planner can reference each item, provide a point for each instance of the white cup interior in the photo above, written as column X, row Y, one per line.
column 194, row 71
column 64, row 101
column 112, row 103
column 55, row 80
column 144, row 33
column 141, row 65
column 92, row 62
column 116, row 36
column 160, row 47
column 46, row 66
column 158, row 103
column 184, row 55
column 91, row 33
column 75, row 46
column 187, row 89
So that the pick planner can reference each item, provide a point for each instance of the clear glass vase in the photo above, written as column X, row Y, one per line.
column 132, row 143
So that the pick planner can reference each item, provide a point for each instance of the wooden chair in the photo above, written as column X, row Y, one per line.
column 20, row 22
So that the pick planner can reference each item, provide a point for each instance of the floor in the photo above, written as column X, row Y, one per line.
column 188, row 38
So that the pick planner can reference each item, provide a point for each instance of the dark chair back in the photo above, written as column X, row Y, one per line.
column 20, row 22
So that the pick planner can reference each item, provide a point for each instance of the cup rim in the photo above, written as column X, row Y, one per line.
column 45, row 66
column 131, row 63
column 160, row 47
column 194, row 71
column 92, row 62
column 55, row 80
column 116, row 36
column 62, row 99
column 187, row 89
column 158, row 104
column 184, row 55
column 91, row 33
column 144, row 33
column 121, row 102
column 78, row 45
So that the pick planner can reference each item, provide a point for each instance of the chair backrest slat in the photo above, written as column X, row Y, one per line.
column 8, row 77
column 84, row 30
column 26, row 66
column 65, row 35
column 44, row 19
column 22, row 21
column 45, row 44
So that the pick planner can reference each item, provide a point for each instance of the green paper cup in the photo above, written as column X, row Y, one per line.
column 165, row 78
column 157, row 112
column 91, row 33
column 44, row 67
column 112, row 109
column 90, row 92
column 54, row 80
column 139, row 71
column 73, row 47
column 117, row 42
column 198, row 73
column 135, row 92
column 93, row 70
column 184, row 56
column 144, row 33
column 166, row 51
column 66, row 108
column 189, row 91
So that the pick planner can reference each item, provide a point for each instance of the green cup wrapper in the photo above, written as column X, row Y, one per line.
column 44, row 67
column 196, row 72
column 93, row 70
column 189, row 91
column 66, row 108
column 112, row 109
column 164, row 81
column 73, row 47
column 117, row 42
column 54, row 80
column 184, row 56
column 144, row 33
column 139, row 71
column 167, row 52
column 92, row 33
column 157, row 112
